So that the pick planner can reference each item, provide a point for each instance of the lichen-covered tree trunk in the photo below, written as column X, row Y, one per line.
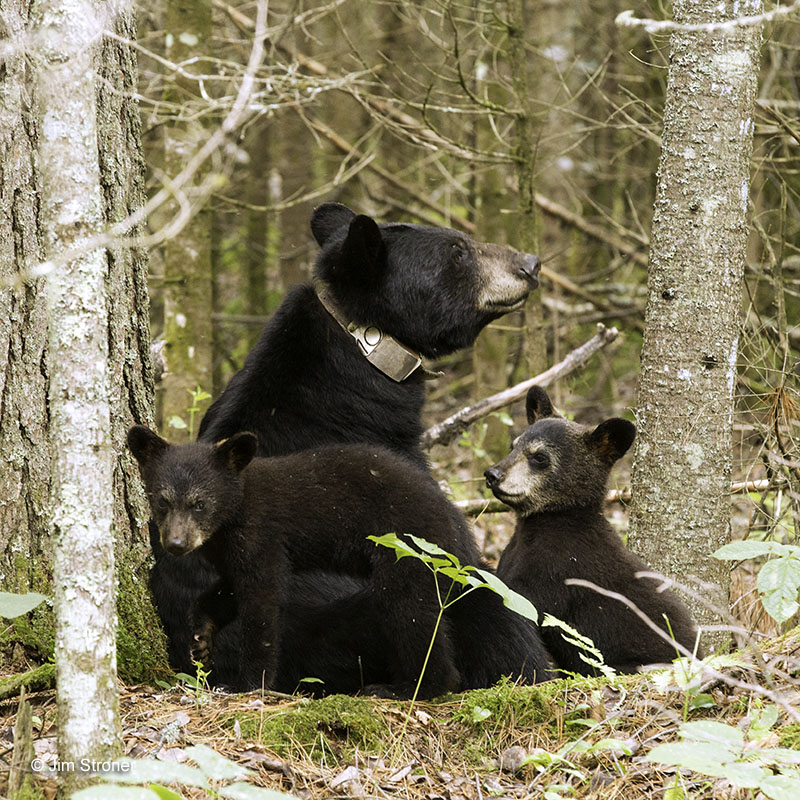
column 682, row 466
column 82, row 459
column 188, row 327
column 528, row 239
column 25, row 366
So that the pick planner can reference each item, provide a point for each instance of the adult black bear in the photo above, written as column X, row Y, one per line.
column 555, row 478
column 330, row 365
column 257, row 520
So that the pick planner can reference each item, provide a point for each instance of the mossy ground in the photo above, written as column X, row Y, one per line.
column 452, row 747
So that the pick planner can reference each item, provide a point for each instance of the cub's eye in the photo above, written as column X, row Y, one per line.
column 162, row 504
column 539, row 459
column 199, row 505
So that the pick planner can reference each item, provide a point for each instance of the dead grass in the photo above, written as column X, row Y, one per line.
column 462, row 747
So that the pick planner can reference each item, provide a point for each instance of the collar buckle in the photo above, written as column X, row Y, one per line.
column 381, row 350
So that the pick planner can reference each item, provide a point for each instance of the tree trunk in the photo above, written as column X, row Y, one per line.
column 682, row 467
column 27, row 370
column 525, row 163
column 187, row 256
column 82, row 459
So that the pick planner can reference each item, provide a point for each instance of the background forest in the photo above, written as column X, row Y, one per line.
column 539, row 130
column 533, row 123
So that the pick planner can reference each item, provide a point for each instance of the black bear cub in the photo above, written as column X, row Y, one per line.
column 257, row 520
column 555, row 479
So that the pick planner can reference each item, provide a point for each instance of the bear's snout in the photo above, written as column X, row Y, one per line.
column 530, row 268
column 493, row 477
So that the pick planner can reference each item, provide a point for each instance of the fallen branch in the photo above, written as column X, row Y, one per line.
column 35, row 680
column 445, row 431
column 482, row 505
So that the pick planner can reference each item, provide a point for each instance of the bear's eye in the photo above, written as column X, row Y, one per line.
column 539, row 459
column 162, row 504
column 459, row 252
column 199, row 505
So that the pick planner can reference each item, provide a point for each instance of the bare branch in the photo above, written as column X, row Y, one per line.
column 625, row 19
column 174, row 190
column 444, row 431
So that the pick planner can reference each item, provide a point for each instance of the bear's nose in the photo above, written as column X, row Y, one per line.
column 493, row 477
column 175, row 545
column 529, row 270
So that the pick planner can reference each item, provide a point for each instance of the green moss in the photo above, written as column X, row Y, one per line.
column 332, row 727
column 508, row 704
column 29, row 790
column 789, row 736
column 141, row 643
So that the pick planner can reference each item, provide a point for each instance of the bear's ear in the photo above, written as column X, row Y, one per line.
column 145, row 444
column 537, row 404
column 363, row 254
column 329, row 218
column 612, row 438
column 238, row 450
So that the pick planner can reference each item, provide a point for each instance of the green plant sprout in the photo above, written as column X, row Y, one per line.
column 214, row 774
column 195, row 685
column 440, row 562
column 719, row 750
column 197, row 395
column 778, row 581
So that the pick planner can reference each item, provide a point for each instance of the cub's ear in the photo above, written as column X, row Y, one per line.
column 612, row 438
column 238, row 450
column 537, row 404
column 329, row 218
column 145, row 444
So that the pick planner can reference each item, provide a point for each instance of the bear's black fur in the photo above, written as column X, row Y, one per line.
column 555, row 478
column 255, row 520
column 306, row 382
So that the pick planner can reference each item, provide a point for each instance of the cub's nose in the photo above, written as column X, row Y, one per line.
column 529, row 270
column 493, row 477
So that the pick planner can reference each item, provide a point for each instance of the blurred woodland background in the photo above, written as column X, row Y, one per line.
column 542, row 131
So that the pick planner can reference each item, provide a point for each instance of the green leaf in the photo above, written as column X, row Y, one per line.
column 246, row 791
column 744, row 775
column 762, row 720
column 699, row 756
column 149, row 770
column 776, row 755
column 781, row 787
column 311, row 680
column 611, row 744
column 106, row 792
column 675, row 793
column 708, row 730
column 432, row 549
column 511, row 599
column 702, row 700
column 480, row 714
column 215, row 766
column 164, row 793
column 741, row 550
column 779, row 582
column 176, row 422
column 15, row 605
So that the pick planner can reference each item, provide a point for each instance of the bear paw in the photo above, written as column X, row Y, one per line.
column 203, row 643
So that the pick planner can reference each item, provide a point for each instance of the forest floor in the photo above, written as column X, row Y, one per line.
column 570, row 738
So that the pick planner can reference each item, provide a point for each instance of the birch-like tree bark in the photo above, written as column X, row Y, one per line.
column 97, row 308
column 682, row 465
column 82, row 459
